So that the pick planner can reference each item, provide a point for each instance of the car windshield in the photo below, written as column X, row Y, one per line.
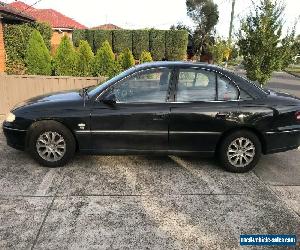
column 93, row 90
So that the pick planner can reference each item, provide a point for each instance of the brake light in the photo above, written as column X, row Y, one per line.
column 297, row 115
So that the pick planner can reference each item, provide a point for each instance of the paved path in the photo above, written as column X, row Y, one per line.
column 142, row 202
column 281, row 81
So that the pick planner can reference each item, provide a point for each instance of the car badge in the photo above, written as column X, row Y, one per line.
column 81, row 126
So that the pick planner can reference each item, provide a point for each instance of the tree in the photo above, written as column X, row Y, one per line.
column 205, row 15
column 37, row 58
column 146, row 57
column 260, row 41
column 85, row 59
column 126, row 59
column 218, row 51
column 104, row 62
column 65, row 60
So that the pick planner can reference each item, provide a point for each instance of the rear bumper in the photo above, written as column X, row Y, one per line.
column 15, row 138
column 282, row 141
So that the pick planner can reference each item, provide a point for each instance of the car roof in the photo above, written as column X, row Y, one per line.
column 178, row 64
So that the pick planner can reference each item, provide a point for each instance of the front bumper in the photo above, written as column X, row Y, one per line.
column 282, row 141
column 15, row 138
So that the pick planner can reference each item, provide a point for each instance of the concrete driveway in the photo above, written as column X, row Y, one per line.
column 146, row 202
column 143, row 202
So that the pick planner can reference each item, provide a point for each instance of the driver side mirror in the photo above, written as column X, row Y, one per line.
column 110, row 99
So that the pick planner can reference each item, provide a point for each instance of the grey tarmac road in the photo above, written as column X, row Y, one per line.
column 144, row 202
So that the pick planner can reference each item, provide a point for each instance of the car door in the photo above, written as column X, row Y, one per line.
column 138, row 120
column 204, row 106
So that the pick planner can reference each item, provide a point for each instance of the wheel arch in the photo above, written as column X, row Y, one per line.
column 35, row 123
column 251, row 129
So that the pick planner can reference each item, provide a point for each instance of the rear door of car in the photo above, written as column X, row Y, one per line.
column 139, row 120
column 204, row 106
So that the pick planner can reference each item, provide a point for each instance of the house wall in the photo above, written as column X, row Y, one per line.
column 56, row 38
column 2, row 49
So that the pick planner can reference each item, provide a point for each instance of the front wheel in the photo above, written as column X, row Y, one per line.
column 240, row 151
column 51, row 144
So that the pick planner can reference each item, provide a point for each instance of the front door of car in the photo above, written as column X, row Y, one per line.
column 204, row 107
column 133, row 114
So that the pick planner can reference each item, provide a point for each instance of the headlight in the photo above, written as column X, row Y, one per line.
column 10, row 117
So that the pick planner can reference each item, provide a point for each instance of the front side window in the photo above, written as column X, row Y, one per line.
column 146, row 86
column 196, row 85
column 226, row 89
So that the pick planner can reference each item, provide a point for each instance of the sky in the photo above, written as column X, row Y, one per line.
column 160, row 14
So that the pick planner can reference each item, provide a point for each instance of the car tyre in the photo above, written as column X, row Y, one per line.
column 51, row 144
column 240, row 151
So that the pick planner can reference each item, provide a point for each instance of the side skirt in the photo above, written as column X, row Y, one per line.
column 147, row 152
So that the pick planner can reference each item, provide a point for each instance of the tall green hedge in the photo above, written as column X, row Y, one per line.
column 100, row 36
column 140, row 42
column 162, row 44
column 176, row 44
column 122, row 39
column 157, row 40
column 77, row 36
column 16, row 38
column 89, row 34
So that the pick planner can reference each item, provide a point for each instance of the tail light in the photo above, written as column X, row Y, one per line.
column 297, row 115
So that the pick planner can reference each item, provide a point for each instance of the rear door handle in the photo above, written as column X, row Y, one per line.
column 159, row 117
column 221, row 115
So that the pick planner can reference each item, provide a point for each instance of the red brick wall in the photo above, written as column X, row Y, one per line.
column 2, row 49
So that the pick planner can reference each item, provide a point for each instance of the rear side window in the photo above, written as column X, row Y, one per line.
column 196, row 85
column 227, row 91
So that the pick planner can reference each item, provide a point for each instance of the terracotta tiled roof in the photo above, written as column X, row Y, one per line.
column 108, row 26
column 9, row 10
column 53, row 17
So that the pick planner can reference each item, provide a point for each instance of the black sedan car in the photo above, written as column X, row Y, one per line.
column 161, row 108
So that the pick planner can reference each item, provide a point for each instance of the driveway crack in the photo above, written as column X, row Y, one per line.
column 46, row 215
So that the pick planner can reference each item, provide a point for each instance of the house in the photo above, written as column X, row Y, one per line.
column 9, row 15
column 61, row 24
column 108, row 26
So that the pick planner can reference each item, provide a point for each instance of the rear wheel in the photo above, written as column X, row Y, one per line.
column 51, row 144
column 240, row 151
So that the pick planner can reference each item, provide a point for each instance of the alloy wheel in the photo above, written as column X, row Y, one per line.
column 51, row 146
column 241, row 152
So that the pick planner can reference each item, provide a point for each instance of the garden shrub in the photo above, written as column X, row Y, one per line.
column 65, row 59
column 85, row 57
column 104, row 62
column 38, row 59
column 140, row 42
column 122, row 39
column 146, row 57
column 16, row 37
column 176, row 44
column 45, row 31
column 157, row 44
column 100, row 36
column 126, row 59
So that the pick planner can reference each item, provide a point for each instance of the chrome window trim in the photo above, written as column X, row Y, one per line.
column 131, row 75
